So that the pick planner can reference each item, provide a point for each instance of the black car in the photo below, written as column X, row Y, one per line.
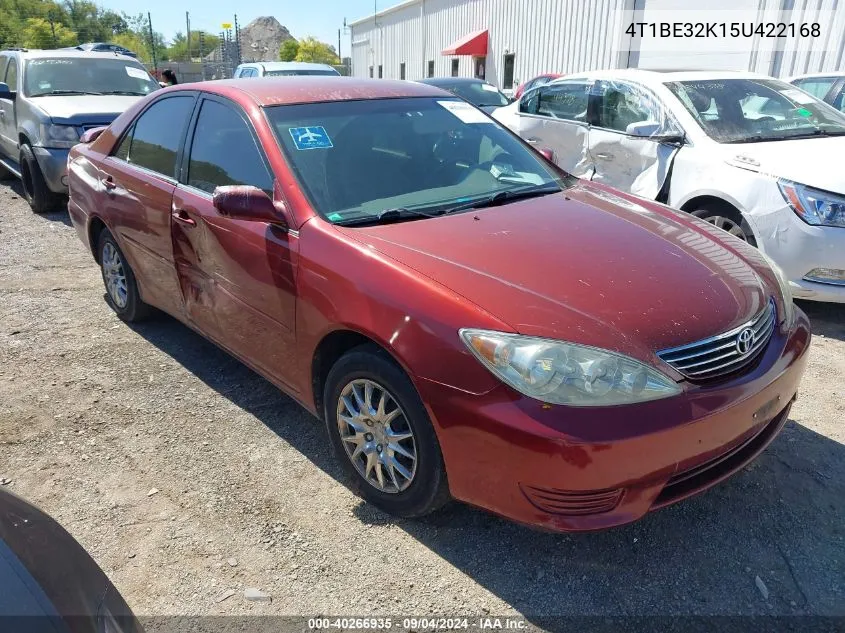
column 48, row 582
column 103, row 47
column 477, row 92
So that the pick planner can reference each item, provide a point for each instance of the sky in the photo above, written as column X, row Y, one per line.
column 321, row 18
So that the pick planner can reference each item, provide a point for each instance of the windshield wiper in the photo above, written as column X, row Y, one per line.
column 396, row 214
column 759, row 138
column 65, row 92
column 132, row 93
column 503, row 197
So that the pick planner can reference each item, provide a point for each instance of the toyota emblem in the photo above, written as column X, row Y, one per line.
column 744, row 341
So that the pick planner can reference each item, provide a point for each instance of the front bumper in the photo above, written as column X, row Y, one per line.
column 798, row 248
column 53, row 164
column 573, row 469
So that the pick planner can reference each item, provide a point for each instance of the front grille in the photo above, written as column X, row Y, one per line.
column 571, row 503
column 725, row 353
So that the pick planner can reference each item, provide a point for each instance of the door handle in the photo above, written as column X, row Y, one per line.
column 532, row 141
column 180, row 215
column 604, row 156
column 109, row 183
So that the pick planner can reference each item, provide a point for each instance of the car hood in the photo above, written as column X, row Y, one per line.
column 806, row 161
column 84, row 108
column 588, row 265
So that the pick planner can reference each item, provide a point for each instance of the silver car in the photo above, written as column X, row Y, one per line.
column 47, row 101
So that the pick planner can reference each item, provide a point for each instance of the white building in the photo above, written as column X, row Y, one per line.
column 510, row 41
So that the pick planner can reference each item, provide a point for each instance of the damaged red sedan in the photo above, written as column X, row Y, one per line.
column 469, row 321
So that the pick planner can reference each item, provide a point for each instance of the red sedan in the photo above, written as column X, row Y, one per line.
column 468, row 320
column 534, row 82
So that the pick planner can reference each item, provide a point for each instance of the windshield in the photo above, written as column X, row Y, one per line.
column 479, row 94
column 357, row 159
column 82, row 75
column 291, row 73
column 749, row 110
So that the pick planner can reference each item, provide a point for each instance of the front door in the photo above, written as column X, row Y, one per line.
column 627, row 162
column 8, row 124
column 139, row 179
column 555, row 117
column 237, row 277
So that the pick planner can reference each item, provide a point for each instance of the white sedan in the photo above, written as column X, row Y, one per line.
column 750, row 154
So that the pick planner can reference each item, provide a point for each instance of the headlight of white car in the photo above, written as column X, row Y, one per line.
column 566, row 373
column 785, row 290
column 816, row 207
column 59, row 135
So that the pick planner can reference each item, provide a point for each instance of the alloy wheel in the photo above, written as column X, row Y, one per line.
column 377, row 437
column 114, row 275
column 726, row 224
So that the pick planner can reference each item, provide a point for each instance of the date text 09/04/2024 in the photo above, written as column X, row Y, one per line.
column 485, row 623
column 723, row 29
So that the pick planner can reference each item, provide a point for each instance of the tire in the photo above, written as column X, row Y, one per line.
column 728, row 219
column 427, row 489
column 35, row 189
column 127, row 304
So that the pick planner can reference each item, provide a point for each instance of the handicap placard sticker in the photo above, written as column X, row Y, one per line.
column 312, row 137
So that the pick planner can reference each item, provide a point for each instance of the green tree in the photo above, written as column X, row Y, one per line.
column 178, row 49
column 313, row 50
column 40, row 33
column 289, row 50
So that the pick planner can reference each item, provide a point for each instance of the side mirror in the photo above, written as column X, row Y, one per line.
column 654, row 131
column 244, row 202
column 5, row 92
column 93, row 134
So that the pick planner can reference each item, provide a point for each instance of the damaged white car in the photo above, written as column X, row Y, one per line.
column 748, row 153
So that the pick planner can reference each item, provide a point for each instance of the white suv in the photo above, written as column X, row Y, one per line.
column 282, row 69
column 748, row 153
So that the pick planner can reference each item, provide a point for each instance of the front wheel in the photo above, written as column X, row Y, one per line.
column 35, row 188
column 121, row 288
column 382, row 435
column 727, row 219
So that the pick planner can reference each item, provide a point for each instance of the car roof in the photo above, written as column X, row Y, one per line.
column 662, row 76
column 74, row 52
column 450, row 81
column 313, row 89
column 286, row 66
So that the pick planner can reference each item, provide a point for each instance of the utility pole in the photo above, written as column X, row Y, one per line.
column 152, row 40
column 237, row 40
column 53, row 30
column 340, row 59
column 202, row 59
column 188, row 28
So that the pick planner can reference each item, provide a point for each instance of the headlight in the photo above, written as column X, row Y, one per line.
column 59, row 136
column 566, row 373
column 816, row 207
column 785, row 290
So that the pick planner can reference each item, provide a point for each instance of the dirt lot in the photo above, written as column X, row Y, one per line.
column 95, row 416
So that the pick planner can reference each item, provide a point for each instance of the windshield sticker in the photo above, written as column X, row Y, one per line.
column 804, row 112
column 334, row 217
column 312, row 137
column 489, row 88
column 137, row 73
column 798, row 96
column 465, row 112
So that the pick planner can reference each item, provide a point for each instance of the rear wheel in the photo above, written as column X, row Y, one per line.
column 35, row 189
column 121, row 288
column 728, row 219
column 382, row 435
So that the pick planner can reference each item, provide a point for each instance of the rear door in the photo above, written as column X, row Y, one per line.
column 629, row 163
column 8, row 126
column 137, row 182
column 237, row 277
column 555, row 116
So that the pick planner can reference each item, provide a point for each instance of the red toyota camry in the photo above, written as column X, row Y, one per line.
column 469, row 321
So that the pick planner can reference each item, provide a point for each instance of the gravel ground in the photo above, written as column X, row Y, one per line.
column 188, row 477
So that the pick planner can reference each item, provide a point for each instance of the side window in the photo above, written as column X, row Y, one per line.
column 12, row 75
column 621, row 104
column 816, row 86
column 3, row 60
column 566, row 101
column 156, row 135
column 122, row 151
column 226, row 156
column 529, row 102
